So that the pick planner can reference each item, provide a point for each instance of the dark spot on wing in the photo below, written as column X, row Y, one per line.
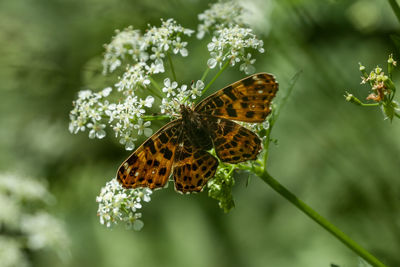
column 150, row 145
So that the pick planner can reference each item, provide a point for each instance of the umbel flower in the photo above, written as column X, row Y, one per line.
column 149, row 89
column 382, row 91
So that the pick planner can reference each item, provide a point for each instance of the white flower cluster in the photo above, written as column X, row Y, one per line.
column 175, row 96
column 149, row 48
column 219, row 15
column 119, row 204
column 124, row 43
column 152, row 49
column 146, row 53
column 88, row 111
column 25, row 227
column 233, row 44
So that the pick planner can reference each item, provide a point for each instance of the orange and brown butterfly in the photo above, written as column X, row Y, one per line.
column 181, row 146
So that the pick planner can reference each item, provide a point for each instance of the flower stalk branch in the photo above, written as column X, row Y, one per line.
column 216, row 76
column 172, row 66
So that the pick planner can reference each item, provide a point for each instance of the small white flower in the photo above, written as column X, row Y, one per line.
column 155, row 68
column 106, row 92
column 157, row 53
column 216, row 58
column 247, row 65
column 141, row 127
column 179, row 47
column 85, row 94
column 128, row 141
column 169, row 87
column 197, row 89
column 148, row 102
column 96, row 130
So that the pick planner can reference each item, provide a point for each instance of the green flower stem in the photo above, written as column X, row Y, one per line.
column 203, row 77
column 172, row 66
column 155, row 93
column 155, row 117
column 280, row 189
column 216, row 76
column 155, row 84
column 396, row 8
column 369, row 104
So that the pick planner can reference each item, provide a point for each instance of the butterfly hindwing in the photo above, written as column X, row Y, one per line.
column 246, row 100
column 181, row 146
column 150, row 165
column 193, row 167
column 233, row 143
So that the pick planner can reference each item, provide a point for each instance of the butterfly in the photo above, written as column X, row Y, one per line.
column 181, row 145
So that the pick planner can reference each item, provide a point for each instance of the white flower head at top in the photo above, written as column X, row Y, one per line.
column 233, row 44
column 219, row 15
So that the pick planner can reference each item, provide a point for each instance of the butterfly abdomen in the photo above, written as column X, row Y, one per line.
column 195, row 129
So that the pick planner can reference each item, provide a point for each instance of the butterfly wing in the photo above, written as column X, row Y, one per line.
column 150, row 165
column 193, row 167
column 233, row 143
column 246, row 100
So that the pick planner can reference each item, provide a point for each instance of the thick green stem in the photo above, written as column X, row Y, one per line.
column 216, row 76
column 155, row 84
column 172, row 66
column 396, row 8
column 280, row 189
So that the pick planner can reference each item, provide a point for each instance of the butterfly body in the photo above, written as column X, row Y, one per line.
column 181, row 147
column 195, row 128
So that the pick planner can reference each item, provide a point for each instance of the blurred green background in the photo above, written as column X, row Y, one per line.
column 341, row 159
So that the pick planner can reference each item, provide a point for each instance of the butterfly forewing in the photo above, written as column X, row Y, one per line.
column 246, row 100
column 181, row 145
column 233, row 143
column 193, row 167
column 150, row 165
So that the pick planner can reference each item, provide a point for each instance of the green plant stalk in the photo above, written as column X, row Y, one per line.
column 172, row 66
column 155, row 93
column 396, row 8
column 155, row 84
column 369, row 104
column 155, row 117
column 280, row 189
column 203, row 77
column 216, row 76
